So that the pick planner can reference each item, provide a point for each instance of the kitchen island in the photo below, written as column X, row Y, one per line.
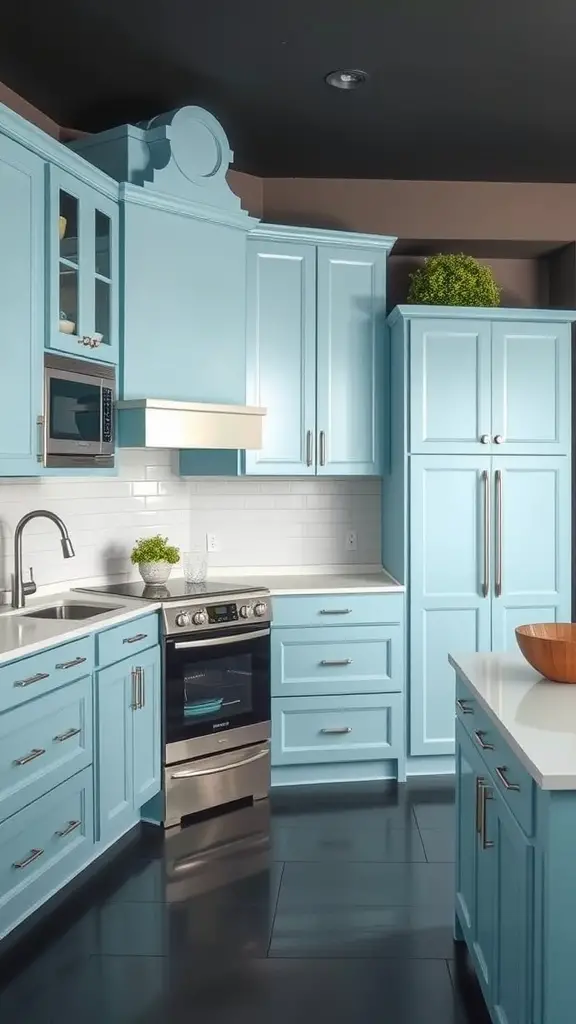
column 516, row 836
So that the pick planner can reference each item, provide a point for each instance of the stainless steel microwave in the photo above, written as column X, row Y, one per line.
column 78, row 421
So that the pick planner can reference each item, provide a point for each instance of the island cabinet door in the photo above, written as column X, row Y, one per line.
column 532, row 563
column 513, row 857
column 531, row 384
column 450, row 607
column 466, row 819
column 450, row 386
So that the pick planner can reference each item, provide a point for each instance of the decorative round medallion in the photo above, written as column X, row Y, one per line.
column 196, row 148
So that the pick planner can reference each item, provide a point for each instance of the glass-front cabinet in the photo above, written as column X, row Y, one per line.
column 82, row 234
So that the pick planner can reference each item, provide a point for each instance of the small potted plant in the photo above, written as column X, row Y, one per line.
column 453, row 279
column 154, row 557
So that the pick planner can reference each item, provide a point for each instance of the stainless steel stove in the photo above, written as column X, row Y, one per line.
column 216, row 701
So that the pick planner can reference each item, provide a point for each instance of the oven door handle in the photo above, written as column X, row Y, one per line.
column 223, row 768
column 218, row 641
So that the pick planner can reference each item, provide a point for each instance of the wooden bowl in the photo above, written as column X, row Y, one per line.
column 550, row 647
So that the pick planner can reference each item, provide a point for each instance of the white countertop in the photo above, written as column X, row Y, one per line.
column 20, row 635
column 337, row 583
column 536, row 717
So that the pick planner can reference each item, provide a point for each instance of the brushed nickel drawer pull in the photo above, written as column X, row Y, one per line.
column 322, row 448
column 461, row 705
column 71, row 664
column 343, row 661
column 480, row 734
column 66, row 735
column 487, row 844
column 308, row 447
column 34, row 854
column 337, row 730
column 32, row 679
column 69, row 828
column 335, row 611
column 36, row 752
column 134, row 681
column 513, row 786
column 134, row 639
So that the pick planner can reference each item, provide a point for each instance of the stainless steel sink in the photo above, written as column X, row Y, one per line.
column 71, row 611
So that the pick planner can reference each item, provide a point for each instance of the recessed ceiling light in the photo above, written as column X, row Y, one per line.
column 346, row 79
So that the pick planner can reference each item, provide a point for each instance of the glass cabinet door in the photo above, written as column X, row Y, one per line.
column 83, row 268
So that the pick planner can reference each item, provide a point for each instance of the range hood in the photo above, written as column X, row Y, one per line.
column 158, row 423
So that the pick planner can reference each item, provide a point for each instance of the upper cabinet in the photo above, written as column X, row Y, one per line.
column 486, row 380
column 21, row 306
column 83, row 244
column 183, row 258
column 316, row 312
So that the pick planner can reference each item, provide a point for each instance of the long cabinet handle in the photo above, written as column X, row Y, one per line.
column 487, row 844
column 486, row 571
column 309, row 453
column 222, row 768
column 134, row 639
column 36, row 752
column 498, row 583
column 134, row 681
column 71, row 664
column 338, row 730
column 322, row 443
column 34, row 854
column 66, row 735
column 479, row 785
column 329, row 664
column 142, row 685
column 511, row 786
column 69, row 828
column 32, row 679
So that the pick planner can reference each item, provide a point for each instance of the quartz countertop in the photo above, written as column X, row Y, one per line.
column 337, row 583
column 20, row 635
column 536, row 717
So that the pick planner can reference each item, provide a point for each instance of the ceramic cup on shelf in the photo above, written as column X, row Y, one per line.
column 155, row 573
column 195, row 565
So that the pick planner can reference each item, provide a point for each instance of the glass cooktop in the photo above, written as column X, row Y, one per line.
column 173, row 590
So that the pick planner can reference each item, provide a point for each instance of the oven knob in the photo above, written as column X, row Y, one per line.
column 183, row 619
column 199, row 618
column 246, row 611
column 260, row 608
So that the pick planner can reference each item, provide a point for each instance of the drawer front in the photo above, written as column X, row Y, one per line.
column 510, row 778
column 126, row 640
column 43, row 743
column 43, row 845
column 354, row 659
column 337, row 609
column 318, row 730
column 40, row 673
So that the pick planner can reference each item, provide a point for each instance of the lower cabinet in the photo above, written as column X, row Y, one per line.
column 128, row 741
column 43, row 846
column 357, row 727
column 494, row 888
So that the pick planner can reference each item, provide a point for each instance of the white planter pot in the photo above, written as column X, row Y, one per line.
column 155, row 573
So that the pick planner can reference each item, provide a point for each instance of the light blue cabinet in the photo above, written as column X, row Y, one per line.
column 128, row 747
column 21, row 306
column 488, row 380
column 315, row 350
column 281, row 354
column 489, row 550
column 82, row 254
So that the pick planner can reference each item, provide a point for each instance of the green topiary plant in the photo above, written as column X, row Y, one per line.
column 453, row 279
column 154, row 549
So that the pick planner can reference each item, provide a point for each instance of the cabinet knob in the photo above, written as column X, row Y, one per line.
column 485, row 439
column 498, row 439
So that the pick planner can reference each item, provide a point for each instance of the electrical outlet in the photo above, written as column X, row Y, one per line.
column 212, row 542
column 351, row 542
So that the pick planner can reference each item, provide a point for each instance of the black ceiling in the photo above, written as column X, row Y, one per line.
column 457, row 89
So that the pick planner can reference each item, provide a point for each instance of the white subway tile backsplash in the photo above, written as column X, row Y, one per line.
column 258, row 523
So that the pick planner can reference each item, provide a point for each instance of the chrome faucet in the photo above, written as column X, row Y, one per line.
column 21, row 590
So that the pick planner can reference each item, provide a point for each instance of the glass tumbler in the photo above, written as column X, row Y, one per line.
column 195, row 565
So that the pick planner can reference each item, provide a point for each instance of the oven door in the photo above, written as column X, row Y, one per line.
column 217, row 682
column 78, row 411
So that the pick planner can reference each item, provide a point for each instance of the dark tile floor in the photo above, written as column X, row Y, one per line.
column 331, row 903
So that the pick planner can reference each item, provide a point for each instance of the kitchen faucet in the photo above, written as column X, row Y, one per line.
column 21, row 590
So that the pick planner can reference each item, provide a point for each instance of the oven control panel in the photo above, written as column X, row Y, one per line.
column 247, row 609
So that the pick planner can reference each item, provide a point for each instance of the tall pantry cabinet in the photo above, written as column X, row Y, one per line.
column 477, row 496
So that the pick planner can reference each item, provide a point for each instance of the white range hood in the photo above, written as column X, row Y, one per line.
column 157, row 423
